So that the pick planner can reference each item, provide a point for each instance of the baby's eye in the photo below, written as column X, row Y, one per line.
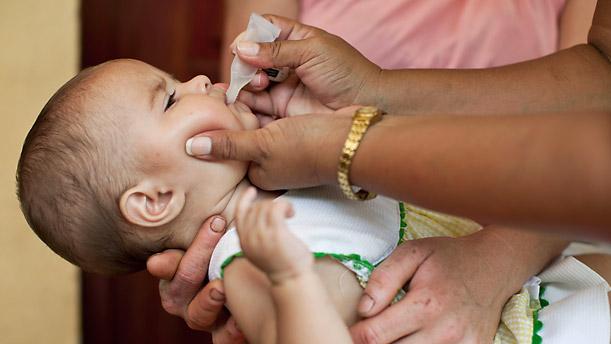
column 171, row 100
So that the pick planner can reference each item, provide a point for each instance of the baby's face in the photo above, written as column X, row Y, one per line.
column 161, row 114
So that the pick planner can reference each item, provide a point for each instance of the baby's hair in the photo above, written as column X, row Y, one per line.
column 70, row 176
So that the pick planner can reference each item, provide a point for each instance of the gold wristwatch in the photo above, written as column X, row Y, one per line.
column 362, row 119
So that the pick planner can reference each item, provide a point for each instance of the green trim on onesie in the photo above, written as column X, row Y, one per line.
column 538, row 324
column 403, row 223
column 361, row 268
column 229, row 260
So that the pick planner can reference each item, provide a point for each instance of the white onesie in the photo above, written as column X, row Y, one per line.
column 359, row 234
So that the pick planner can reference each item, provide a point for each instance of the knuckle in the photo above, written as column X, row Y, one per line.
column 188, row 276
column 223, row 147
column 195, row 324
column 383, row 275
column 265, row 143
column 276, row 48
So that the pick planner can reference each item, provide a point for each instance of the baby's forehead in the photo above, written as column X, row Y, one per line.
column 125, row 84
column 133, row 73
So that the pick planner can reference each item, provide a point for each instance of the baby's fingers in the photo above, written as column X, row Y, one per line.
column 277, row 212
column 244, row 204
column 283, row 209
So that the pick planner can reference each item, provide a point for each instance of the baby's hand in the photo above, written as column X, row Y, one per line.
column 266, row 240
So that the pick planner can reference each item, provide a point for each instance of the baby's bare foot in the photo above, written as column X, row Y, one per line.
column 266, row 240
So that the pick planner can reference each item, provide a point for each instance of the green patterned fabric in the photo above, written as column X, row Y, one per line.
column 519, row 323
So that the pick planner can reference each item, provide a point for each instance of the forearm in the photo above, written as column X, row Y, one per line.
column 578, row 79
column 550, row 171
column 575, row 79
column 305, row 314
column 517, row 254
column 236, row 14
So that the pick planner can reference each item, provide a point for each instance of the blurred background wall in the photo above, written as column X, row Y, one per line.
column 39, row 292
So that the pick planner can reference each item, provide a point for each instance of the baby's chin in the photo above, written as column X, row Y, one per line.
column 243, row 113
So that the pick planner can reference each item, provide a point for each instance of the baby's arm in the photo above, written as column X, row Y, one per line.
column 303, row 311
column 265, row 315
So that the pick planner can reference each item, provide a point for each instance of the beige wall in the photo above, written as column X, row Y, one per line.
column 39, row 51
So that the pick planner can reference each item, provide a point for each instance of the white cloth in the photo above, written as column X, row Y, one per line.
column 327, row 222
column 578, row 310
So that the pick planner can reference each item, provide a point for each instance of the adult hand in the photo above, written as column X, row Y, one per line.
column 328, row 69
column 288, row 153
column 456, row 290
column 181, row 277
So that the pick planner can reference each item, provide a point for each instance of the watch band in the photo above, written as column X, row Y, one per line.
column 361, row 121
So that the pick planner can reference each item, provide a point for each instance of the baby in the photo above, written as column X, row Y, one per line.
column 104, row 180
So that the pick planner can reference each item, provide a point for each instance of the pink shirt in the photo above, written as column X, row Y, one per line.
column 441, row 33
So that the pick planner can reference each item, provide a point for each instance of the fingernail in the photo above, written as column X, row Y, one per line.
column 248, row 48
column 366, row 304
column 218, row 225
column 217, row 295
column 200, row 145
column 256, row 81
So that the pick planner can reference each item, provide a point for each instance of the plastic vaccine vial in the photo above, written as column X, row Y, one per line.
column 258, row 30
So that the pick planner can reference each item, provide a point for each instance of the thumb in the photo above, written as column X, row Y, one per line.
column 226, row 145
column 293, row 47
column 390, row 276
column 290, row 54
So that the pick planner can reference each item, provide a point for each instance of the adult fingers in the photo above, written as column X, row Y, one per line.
column 290, row 54
column 445, row 335
column 206, row 307
column 291, row 29
column 164, row 265
column 258, row 83
column 244, row 145
column 228, row 333
column 186, row 282
column 258, row 102
column 194, row 264
column 391, row 276
column 397, row 321
column 264, row 120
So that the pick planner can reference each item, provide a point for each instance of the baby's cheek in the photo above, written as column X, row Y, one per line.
column 157, row 155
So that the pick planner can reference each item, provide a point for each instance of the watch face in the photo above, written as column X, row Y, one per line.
column 367, row 112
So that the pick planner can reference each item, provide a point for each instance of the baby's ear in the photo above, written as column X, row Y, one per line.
column 149, row 205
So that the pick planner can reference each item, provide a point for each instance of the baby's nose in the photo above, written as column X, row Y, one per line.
column 203, row 83
column 197, row 85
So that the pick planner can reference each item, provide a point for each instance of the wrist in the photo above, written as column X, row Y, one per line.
column 371, row 93
column 331, row 146
column 506, row 267
column 529, row 253
column 292, row 282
